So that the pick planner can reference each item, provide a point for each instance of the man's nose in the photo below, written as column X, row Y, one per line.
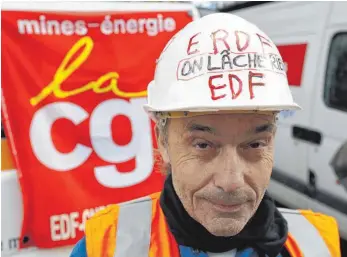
column 230, row 170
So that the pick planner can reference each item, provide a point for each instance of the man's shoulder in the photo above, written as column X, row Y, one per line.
column 103, row 219
column 322, row 222
column 326, row 226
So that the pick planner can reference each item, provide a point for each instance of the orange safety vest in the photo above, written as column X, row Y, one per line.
column 138, row 228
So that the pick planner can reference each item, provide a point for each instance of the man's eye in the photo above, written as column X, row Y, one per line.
column 256, row 145
column 202, row 145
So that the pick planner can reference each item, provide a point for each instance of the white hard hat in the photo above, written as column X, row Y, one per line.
column 219, row 62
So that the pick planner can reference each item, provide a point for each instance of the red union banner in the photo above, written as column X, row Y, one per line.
column 73, row 89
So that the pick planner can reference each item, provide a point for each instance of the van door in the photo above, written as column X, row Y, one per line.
column 300, row 47
column 329, row 117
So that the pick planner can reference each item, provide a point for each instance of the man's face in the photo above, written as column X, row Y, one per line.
column 221, row 166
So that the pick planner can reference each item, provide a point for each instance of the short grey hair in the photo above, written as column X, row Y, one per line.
column 162, row 131
column 162, row 125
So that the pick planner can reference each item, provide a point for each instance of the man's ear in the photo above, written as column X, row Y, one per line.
column 162, row 145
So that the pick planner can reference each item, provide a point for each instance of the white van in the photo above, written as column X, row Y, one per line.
column 311, row 148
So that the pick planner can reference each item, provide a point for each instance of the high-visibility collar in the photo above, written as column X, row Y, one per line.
column 138, row 228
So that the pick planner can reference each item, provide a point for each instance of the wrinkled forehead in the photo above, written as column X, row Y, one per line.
column 224, row 124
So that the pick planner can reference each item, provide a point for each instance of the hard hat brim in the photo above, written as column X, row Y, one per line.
column 275, row 107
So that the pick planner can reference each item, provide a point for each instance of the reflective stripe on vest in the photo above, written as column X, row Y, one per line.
column 306, row 235
column 135, row 216
column 139, row 228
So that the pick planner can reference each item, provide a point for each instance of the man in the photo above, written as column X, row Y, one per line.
column 219, row 84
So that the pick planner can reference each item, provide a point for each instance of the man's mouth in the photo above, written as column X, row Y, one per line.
column 226, row 207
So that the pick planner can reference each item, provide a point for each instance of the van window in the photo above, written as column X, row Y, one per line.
column 335, row 93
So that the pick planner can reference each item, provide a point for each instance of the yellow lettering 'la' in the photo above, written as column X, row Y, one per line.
column 64, row 71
